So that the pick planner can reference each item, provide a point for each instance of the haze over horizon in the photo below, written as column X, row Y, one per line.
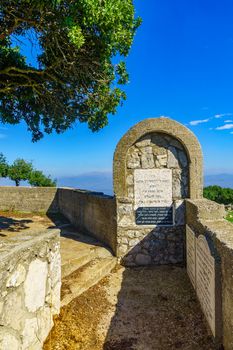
column 180, row 66
column 102, row 181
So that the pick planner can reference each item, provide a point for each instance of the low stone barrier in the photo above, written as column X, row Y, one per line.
column 209, row 247
column 30, row 274
column 29, row 199
column 91, row 212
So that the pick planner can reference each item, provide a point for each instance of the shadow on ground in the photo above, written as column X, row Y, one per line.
column 67, row 230
column 13, row 225
column 156, row 309
column 146, row 308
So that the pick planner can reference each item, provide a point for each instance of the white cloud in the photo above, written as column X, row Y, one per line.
column 196, row 122
column 228, row 121
column 222, row 115
column 225, row 127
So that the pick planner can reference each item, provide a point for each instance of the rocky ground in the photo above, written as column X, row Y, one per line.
column 151, row 308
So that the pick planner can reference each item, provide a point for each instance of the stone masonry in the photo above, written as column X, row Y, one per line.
column 160, row 245
column 30, row 273
column 162, row 146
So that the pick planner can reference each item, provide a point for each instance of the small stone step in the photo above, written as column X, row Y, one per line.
column 102, row 252
column 76, row 263
column 87, row 276
column 73, row 259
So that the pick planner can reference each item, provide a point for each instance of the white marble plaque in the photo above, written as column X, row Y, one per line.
column 205, row 280
column 152, row 188
column 191, row 255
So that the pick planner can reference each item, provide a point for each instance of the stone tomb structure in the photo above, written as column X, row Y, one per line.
column 204, row 270
column 157, row 164
column 159, row 194
column 208, row 243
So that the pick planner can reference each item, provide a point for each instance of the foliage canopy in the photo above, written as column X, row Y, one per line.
column 219, row 194
column 74, row 78
column 3, row 166
column 21, row 170
column 38, row 179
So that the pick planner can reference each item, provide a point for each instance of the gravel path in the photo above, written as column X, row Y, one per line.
column 151, row 308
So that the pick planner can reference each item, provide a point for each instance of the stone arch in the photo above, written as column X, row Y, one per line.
column 165, row 126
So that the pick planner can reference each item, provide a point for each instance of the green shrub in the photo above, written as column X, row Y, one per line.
column 219, row 194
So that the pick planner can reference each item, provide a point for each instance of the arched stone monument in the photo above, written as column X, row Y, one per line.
column 157, row 164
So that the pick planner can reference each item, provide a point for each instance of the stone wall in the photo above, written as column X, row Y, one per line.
column 30, row 273
column 92, row 213
column 29, row 199
column 207, row 218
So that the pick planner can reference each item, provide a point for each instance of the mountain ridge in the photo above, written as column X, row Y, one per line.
column 102, row 181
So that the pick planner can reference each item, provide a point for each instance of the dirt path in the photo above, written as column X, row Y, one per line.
column 133, row 309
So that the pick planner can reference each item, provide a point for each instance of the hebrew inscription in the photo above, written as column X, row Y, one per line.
column 154, row 216
column 201, row 271
column 153, row 187
column 153, row 197
column 205, row 280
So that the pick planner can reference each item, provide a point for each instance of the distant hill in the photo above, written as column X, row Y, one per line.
column 102, row 181
column 223, row 180
column 96, row 181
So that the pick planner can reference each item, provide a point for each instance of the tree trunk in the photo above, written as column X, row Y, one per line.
column 16, row 182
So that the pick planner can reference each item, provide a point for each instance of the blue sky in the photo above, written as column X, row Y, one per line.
column 181, row 66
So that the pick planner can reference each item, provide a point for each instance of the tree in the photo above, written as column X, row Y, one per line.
column 37, row 178
column 4, row 167
column 74, row 77
column 20, row 170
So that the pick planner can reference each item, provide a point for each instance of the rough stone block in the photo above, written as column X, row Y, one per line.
column 134, row 160
column 35, row 285
column 147, row 160
column 142, row 259
column 17, row 277
column 30, row 335
column 9, row 342
column 161, row 161
column 13, row 313
column 172, row 161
